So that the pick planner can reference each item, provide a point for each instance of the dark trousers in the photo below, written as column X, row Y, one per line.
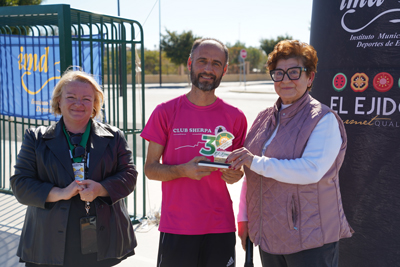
column 325, row 256
column 210, row 250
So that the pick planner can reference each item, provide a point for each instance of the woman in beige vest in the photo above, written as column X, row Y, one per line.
column 291, row 205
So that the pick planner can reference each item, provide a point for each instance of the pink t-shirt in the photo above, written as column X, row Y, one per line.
column 191, row 207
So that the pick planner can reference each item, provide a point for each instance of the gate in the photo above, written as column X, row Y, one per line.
column 50, row 38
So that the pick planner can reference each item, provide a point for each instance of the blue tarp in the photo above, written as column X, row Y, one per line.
column 30, row 68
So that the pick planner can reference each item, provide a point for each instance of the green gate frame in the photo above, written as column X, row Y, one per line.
column 116, row 36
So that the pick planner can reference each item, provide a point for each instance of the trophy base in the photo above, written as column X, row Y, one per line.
column 214, row 164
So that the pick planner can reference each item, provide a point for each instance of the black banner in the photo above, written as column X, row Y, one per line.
column 358, row 46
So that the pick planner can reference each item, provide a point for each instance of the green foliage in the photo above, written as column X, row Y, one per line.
column 152, row 63
column 267, row 45
column 234, row 52
column 20, row 3
column 255, row 56
column 177, row 46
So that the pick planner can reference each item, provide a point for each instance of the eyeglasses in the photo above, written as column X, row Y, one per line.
column 78, row 150
column 294, row 73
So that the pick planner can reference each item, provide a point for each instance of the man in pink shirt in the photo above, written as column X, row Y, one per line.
column 197, row 223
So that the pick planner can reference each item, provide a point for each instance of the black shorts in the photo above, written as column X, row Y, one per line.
column 210, row 250
column 325, row 256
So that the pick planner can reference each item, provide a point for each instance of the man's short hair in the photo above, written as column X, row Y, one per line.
column 199, row 41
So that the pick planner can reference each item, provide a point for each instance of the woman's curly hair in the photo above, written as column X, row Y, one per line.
column 294, row 49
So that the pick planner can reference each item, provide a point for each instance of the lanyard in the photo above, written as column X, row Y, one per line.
column 85, row 158
column 83, row 142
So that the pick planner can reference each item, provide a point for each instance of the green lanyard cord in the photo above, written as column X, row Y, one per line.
column 85, row 138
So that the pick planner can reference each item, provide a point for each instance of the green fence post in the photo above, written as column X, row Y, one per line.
column 64, row 26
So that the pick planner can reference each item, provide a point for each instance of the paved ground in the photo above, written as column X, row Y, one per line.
column 251, row 99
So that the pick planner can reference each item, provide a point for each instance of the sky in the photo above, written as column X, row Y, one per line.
column 247, row 21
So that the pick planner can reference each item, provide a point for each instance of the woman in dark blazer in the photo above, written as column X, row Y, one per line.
column 73, row 176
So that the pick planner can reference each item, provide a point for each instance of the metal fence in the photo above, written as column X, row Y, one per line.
column 103, row 45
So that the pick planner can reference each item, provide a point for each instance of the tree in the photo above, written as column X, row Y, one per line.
column 255, row 56
column 177, row 46
column 257, row 59
column 268, row 44
column 152, row 63
column 20, row 2
column 234, row 52
column 15, row 30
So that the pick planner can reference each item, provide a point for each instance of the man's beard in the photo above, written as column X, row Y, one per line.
column 205, row 86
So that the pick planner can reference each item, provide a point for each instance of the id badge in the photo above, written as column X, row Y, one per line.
column 88, row 235
column 79, row 171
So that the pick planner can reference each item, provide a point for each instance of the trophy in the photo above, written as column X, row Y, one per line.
column 223, row 140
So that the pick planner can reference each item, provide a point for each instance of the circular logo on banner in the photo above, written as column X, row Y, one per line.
column 383, row 82
column 339, row 82
column 359, row 82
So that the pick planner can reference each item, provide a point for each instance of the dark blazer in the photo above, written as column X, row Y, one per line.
column 43, row 162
